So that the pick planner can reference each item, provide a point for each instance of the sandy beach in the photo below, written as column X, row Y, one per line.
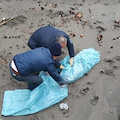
column 89, row 23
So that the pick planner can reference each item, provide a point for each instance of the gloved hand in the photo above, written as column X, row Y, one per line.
column 71, row 61
column 62, row 67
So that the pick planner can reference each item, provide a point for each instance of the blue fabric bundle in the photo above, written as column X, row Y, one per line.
column 23, row 102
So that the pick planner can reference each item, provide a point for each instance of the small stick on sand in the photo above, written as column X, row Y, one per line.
column 5, row 21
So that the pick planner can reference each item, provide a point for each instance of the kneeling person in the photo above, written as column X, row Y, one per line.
column 23, row 66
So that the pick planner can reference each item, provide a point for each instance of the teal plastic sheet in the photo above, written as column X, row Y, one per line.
column 24, row 102
column 83, row 62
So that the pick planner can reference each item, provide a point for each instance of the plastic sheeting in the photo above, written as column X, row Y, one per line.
column 23, row 102
column 83, row 62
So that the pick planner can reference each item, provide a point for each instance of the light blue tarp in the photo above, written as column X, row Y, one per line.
column 23, row 102
column 83, row 62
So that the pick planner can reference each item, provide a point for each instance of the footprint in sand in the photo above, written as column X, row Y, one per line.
column 23, row 46
column 51, row 115
column 112, row 67
column 20, row 19
column 10, row 47
column 73, row 89
column 107, row 71
column 116, row 67
column 94, row 100
column 70, row 96
column 66, row 113
column 17, row 47
column 77, row 96
column 8, row 56
column 109, row 61
column 84, row 91
column 117, row 58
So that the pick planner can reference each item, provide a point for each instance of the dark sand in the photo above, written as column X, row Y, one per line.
column 96, row 96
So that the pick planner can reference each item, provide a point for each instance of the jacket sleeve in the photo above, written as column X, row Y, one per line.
column 32, row 43
column 70, row 48
column 57, row 63
column 54, row 74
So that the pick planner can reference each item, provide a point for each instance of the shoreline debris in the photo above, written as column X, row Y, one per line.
column 63, row 106
column 116, row 38
column 4, row 21
column 100, row 39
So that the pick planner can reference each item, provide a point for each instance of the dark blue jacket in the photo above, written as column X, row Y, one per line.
column 46, row 36
column 36, row 60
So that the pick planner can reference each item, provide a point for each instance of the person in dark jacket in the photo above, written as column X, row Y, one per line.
column 46, row 36
column 23, row 66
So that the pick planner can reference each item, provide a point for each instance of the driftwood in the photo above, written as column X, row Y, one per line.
column 5, row 21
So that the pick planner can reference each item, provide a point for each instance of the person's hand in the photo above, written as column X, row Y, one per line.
column 63, row 83
column 62, row 67
column 47, row 73
column 71, row 61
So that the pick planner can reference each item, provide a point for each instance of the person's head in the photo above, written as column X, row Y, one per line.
column 62, row 41
column 55, row 50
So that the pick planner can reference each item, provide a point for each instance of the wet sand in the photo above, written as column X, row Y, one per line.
column 89, row 23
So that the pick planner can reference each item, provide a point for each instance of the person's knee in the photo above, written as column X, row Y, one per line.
column 32, row 86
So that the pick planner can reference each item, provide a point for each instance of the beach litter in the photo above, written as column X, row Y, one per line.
column 5, row 20
column 63, row 106
column 100, row 39
column 116, row 38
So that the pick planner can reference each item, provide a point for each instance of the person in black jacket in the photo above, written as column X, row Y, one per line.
column 46, row 36
column 23, row 66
